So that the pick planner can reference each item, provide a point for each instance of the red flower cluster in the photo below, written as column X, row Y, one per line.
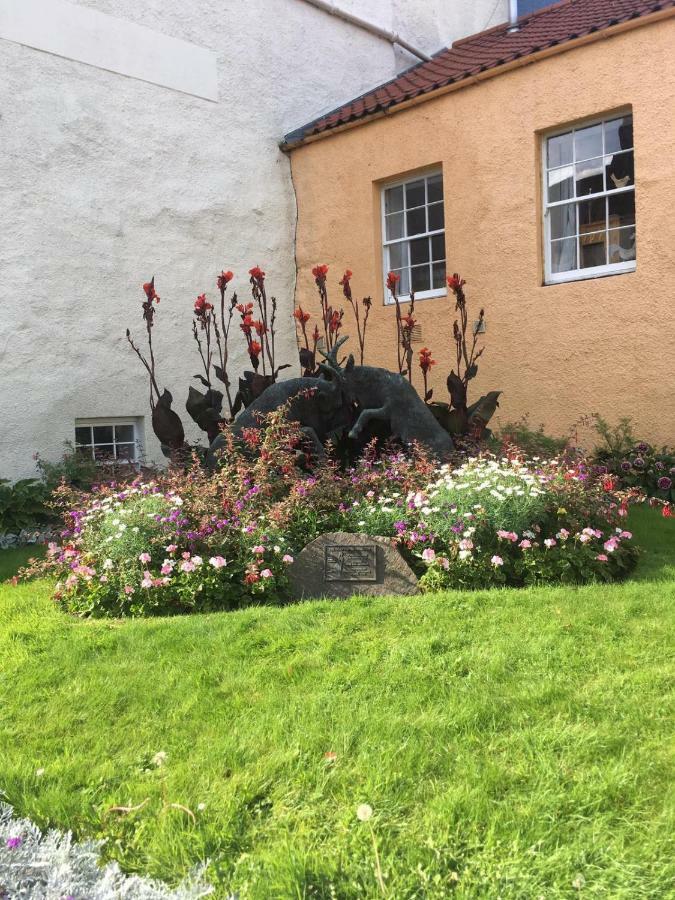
column 426, row 362
column 667, row 511
column 150, row 292
column 302, row 316
column 455, row 283
column 244, row 308
column 320, row 272
column 335, row 321
column 202, row 306
column 254, row 349
column 392, row 280
column 256, row 274
column 223, row 280
column 344, row 283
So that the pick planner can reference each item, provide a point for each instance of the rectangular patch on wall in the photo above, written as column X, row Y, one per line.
column 117, row 45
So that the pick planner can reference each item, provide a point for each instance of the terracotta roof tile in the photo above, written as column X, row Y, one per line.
column 556, row 24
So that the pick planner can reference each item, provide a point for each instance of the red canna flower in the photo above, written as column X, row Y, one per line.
column 316, row 335
column 426, row 362
column 244, row 309
column 254, row 349
column 409, row 321
column 256, row 274
column 247, row 323
column 223, row 280
column 392, row 280
column 320, row 271
column 455, row 282
column 346, row 286
column 335, row 321
column 202, row 306
column 150, row 292
column 302, row 316
column 260, row 328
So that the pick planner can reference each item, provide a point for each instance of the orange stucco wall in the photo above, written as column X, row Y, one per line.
column 558, row 352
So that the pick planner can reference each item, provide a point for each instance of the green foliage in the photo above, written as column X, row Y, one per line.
column 22, row 504
column 74, row 468
column 635, row 465
column 511, row 744
column 530, row 441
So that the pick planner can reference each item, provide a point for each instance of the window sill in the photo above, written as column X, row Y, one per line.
column 422, row 295
column 586, row 274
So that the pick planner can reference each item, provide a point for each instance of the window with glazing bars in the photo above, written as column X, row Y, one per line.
column 589, row 200
column 413, row 228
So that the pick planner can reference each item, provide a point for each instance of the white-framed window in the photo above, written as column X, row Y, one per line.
column 413, row 235
column 589, row 200
column 105, row 440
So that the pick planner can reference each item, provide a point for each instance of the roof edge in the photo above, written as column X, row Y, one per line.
column 291, row 142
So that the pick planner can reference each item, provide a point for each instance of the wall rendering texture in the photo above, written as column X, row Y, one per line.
column 106, row 179
column 558, row 352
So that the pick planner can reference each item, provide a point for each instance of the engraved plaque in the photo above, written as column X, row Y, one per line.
column 346, row 562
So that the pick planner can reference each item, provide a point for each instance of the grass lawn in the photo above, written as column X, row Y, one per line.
column 513, row 744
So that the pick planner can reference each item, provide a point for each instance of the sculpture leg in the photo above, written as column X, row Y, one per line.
column 367, row 416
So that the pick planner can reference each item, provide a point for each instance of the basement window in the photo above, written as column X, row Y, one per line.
column 589, row 200
column 413, row 231
column 106, row 440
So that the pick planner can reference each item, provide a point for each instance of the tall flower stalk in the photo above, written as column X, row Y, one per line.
column 366, row 303
column 151, row 296
column 404, row 328
column 222, row 335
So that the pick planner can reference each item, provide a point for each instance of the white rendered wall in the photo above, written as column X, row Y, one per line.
column 108, row 178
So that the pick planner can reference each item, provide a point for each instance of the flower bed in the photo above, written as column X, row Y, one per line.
column 198, row 542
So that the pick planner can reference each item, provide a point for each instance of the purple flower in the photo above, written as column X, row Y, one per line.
column 601, row 470
column 14, row 843
column 658, row 465
column 400, row 527
column 642, row 447
column 664, row 483
column 639, row 462
column 625, row 466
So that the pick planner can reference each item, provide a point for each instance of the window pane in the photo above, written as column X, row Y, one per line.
column 415, row 194
column 592, row 248
column 592, row 215
column 590, row 177
column 588, row 142
column 563, row 221
column 621, row 209
column 103, row 434
column 621, row 245
column 126, row 451
column 438, row 275
column 619, row 134
column 83, row 435
column 434, row 188
column 420, row 278
column 416, row 220
column 559, row 150
column 124, row 434
column 620, row 171
column 398, row 255
column 419, row 251
column 436, row 217
column 393, row 199
column 438, row 246
column 560, row 184
column 394, row 226
column 564, row 255
column 104, row 452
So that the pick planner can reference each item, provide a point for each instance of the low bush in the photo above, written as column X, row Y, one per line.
column 23, row 504
column 194, row 541
column 635, row 465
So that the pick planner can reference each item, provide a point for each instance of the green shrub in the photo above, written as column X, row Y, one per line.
column 635, row 465
column 23, row 504
column 530, row 441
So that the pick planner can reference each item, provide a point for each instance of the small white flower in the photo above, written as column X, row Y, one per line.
column 364, row 812
column 201, row 807
column 159, row 758
column 39, row 773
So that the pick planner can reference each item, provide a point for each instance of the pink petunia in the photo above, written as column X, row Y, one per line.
column 497, row 561
column 266, row 573
column 287, row 558
column 428, row 555
column 602, row 557
column 218, row 562
column 525, row 544
column 258, row 549
column 145, row 557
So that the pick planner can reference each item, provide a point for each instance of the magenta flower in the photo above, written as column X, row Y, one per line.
column 525, row 544
column 14, row 843
column 664, row 483
column 602, row 557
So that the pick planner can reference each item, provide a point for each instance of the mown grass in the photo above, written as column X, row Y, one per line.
column 512, row 744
